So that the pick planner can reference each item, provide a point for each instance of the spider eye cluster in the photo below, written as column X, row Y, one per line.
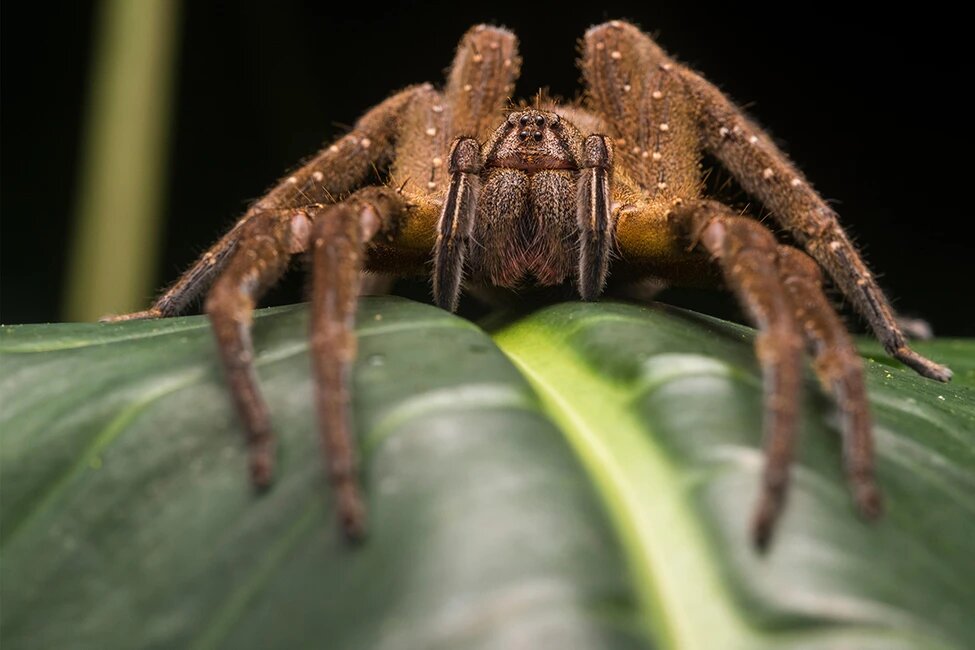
column 533, row 126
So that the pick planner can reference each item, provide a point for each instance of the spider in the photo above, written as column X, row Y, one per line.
column 551, row 196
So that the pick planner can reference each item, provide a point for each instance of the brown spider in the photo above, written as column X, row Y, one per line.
column 541, row 203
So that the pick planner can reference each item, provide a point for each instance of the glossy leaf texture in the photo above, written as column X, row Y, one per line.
column 583, row 480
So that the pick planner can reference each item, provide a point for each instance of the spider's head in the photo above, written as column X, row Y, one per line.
column 533, row 140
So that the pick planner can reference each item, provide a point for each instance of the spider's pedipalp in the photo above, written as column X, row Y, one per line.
column 594, row 216
column 456, row 222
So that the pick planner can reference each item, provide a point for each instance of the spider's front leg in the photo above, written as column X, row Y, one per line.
column 264, row 245
column 337, row 235
column 338, row 245
column 746, row 254
column 781, row 289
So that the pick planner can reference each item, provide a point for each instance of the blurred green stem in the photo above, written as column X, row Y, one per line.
column 123, row 166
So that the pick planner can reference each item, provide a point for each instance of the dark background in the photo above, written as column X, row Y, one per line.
column 870, row 106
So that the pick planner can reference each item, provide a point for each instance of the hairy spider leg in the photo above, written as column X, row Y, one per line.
column 764, row 171
column 840, row 371
column 338, row 245
column 336, row 170
column 747, row 255
column 266, row 243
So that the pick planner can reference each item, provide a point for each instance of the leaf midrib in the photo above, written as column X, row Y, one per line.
column 674, row 613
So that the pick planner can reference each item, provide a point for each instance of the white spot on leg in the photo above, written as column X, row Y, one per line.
column 627, row 88
column 664, row 126
column 318, row 176
column 431, row 185
column 795, row 182
column 768, row 174
column 300, row 233
column 468, row 88
column 616, row 55
column 365, row 143
column 753, row 139
column 656, row 155
column 431, row 132
column 657, row 94
column 661, row 185
column 293, row 180
column 835, row 245
column 600, row 45
column 665, row 67
column 477, row 58
column 334, row 148
column 437, row 161
column 437, row 108
column 723, row 132
column 636, row 150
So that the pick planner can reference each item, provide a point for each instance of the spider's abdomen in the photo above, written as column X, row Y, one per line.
column 525, row 231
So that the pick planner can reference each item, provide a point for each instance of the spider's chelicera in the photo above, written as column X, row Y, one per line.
column 596, row 196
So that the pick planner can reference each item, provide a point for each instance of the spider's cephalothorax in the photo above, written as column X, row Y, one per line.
column 550, row 197
column 536, row 200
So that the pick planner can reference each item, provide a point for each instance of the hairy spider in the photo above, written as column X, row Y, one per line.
column 550, row 196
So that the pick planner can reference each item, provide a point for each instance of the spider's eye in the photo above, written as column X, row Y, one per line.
column 539, row 121
column 556, row 123
column 524, row 120
column 537, row 135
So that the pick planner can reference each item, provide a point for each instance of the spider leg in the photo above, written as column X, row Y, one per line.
column 747, row 255
column 840, row 371
column 481, row 80
column 765, row 171
column 456, row 222
column 265, row 244
column 194, row 281
column 338, row 244
column 659, row 110
column 336, row 170
column 594, row 217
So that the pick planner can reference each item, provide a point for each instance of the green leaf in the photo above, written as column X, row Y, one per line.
column 598, row 498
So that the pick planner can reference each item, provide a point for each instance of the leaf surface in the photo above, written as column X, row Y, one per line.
column 598, row 498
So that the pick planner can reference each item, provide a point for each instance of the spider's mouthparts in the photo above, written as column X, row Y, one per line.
column 527, row 162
